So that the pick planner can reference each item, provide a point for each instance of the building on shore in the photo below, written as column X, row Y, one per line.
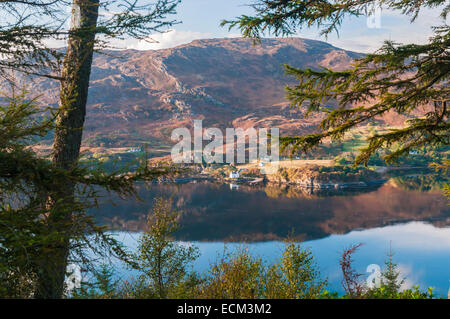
column 235, row 174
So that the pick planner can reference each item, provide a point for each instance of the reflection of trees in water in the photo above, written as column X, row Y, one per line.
column 256, row 213
column 422, row 183
column 289, row 191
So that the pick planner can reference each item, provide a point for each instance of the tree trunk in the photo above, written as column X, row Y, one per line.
column 74, row 88
column 66, row 146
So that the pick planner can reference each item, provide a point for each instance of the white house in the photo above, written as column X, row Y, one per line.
column 135, row 150
column 235, row 175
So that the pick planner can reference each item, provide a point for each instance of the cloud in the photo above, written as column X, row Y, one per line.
column 166, row 40
column 409, row 275
column 354, row 34
column 411, row 236
column 169, row 39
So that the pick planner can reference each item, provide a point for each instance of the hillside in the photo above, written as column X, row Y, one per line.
column 140, row 96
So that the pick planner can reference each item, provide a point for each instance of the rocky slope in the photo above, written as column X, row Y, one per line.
column 138, row 96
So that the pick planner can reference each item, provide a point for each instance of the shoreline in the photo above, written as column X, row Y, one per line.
column 265, row 181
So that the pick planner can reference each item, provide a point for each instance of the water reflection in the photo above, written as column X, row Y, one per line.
column 218, row 212
column 409, row 213
column 421, row 250
column 234, row 186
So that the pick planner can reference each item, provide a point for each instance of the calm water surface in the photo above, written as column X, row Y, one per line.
column 409, row 214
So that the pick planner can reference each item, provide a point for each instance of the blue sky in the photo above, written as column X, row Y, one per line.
column 201, row 19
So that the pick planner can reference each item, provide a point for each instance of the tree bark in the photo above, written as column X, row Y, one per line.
column 74, row 88
column 66, row 146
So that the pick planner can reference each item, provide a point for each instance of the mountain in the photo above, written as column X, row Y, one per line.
column 140, row 96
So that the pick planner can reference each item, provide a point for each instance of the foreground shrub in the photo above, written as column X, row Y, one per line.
column 162, row 261
column 237, row 275
column 296, row 276
column 389, row 286
column 163, row 265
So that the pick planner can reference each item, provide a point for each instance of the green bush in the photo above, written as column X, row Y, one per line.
column 161, row 260
column 234, row 276
column 295, row 276
column 163, row 265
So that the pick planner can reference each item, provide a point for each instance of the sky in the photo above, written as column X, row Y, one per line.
column 201, row 19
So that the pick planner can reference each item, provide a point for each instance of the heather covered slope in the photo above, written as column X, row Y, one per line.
column 139, row 96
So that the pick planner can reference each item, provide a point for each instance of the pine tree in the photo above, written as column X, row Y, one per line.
column 23, row 38
column 397, row 78
column 28, row 27
column 29, row 236
column 390, row 277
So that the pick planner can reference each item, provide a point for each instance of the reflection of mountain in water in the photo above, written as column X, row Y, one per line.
column 216, row 212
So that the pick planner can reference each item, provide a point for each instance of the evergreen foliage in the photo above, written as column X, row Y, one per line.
column 397, row 78
column 26, row 230
column 237, row 274
column 28, row 26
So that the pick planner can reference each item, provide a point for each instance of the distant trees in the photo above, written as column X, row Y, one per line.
column 24, row 36
column 397, row 78
column 444, row 168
